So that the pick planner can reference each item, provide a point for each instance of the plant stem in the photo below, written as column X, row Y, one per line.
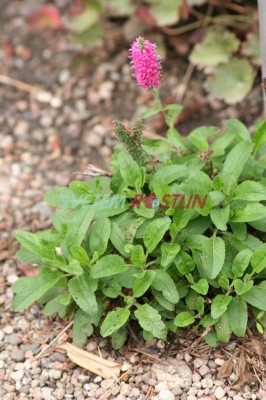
column 262, row 19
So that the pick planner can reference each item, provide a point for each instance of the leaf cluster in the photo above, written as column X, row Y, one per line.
column 112, row 262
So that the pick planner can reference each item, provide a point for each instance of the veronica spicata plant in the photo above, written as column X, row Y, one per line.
column 174, row 237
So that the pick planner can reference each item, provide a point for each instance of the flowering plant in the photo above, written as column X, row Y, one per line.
column 156, row 268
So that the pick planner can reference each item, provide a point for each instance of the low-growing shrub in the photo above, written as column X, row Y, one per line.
column 173, row 236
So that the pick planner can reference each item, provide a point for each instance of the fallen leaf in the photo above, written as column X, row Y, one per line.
column 226, row 368
column 45, row 17
column 98, row 366
column 241, row 367
column 257, row 346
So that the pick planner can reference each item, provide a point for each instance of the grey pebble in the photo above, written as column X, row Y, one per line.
column 14, row 339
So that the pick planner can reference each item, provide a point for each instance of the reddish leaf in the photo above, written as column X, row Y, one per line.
column 45, row 17
column 144, row 14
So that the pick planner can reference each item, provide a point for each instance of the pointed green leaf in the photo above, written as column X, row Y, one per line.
column 77, row 230
column 219, row 305
column 114, row 321
column 99, row 235
column 30, row 289
column 241, row 262
column 220, row 217
column 108, row 266
column 238, row 316
column 213, row 256
column 184, row 319
column 150, row 320
column 234, row 164
column 155, row 232
column 142, row 282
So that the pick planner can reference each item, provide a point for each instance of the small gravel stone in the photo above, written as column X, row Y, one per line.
column 204, row 370
column 56, row 102
column 187, row 357
column 191, row 397
column 43, row 97
column 55, row 374
column 161, row 386
column 97, row 379
column 166, row 395
column 219, row 393
column 199, row 362
column 91, row 346
column 126, row 366
column 47, row 393
column 17, row 376
column 207, row 383
column 14, row 339
column 219, row 361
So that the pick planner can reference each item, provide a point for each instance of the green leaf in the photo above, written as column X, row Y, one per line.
column 231, row 82
column 118, row 237
column 216, row 48
column 34, row 244
column 165, row 284
column 223, row 328
column 82, row 328
column 99, row 236
column 166, row 13
column 72, row 268
column 252, row 212
column 211, row 339
column 242, row 287
column 259, row 137
column 129, row 169
column 87, row 18
column 142, row 282
column 234, row 164
column 79, row 225
column 250, row 191
column 162, row 300
column 81, row 290
column 238, row 316
column 201, row 286
column 241, row 262
column 150, row 320
column 184, row 319
column 198, row 137
column 150, row 112
column 256, row 296
column 258, row 260
column 80, row 254
column 219, row 305
column 114, row 321
column 118, row 338
column 251, row 48
column 54, row 306
column 138, row 257
column 113, row 289
column 220, row 217
column 108, row 266
column 62, row 197
column 169, row 252
column 30, row 289
column 213, row 256
column 238, row 130
column 155, row 232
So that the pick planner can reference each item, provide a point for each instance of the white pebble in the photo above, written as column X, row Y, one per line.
column 166, row 395
column 43, row 97
column 17, row 376
column 56, row 102
column 219, row 393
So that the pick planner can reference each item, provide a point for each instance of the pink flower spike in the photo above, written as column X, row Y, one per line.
column 145, row 62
